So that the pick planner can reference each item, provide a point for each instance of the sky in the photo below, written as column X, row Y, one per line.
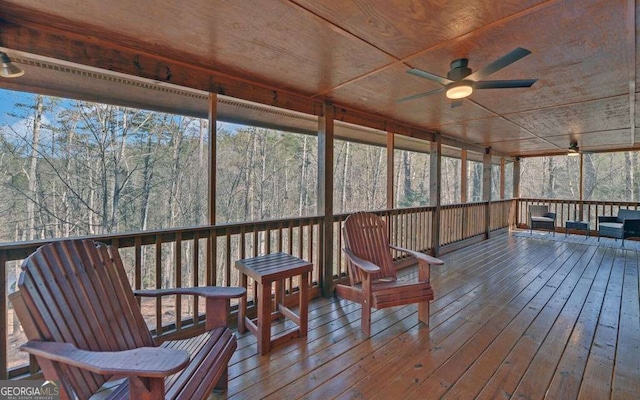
column 9, row 97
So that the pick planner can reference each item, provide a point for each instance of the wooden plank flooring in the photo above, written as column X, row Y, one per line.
column 514, row 317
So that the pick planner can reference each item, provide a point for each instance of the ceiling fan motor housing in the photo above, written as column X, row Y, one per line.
column 459, row 69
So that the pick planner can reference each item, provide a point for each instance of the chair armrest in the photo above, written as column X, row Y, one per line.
column 607, row 219
column 631, row 224
column 217, row 307
column 364, row 265
column 215, row 292
column 420, row 256
column 150, row 362
column 551, row 215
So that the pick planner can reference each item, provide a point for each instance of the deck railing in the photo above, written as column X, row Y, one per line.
column 566, row 210
column 206, row 255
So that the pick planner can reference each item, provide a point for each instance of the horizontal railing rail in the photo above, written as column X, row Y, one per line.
column 205, row 255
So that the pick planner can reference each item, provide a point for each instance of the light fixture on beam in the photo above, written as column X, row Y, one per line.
column 574, row 150
column 9, row 69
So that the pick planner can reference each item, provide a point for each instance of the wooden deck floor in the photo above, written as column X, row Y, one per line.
column 514, row 317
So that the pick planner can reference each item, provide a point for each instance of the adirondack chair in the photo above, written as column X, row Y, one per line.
column 85, row 328
column 372, row 274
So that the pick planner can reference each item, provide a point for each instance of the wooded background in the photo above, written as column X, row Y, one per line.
column 71, row 168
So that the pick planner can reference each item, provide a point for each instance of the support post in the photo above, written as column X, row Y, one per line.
column 325, row 194
column 502, row 177
column 390, row 167
column 486, row 189
column 581, row 216
column 516, row 178
column 516, row 188
column 211, row 273
column 213, row 116
column 435, row 189
column 463, row 176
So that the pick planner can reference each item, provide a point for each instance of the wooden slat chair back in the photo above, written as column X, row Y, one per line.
column 77, row 293
column 372, row 274
column 365, row 234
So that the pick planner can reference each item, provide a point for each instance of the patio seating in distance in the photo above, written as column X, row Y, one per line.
column 372, row 273
column 85, row 327
column 625, row 224
column 541, row 218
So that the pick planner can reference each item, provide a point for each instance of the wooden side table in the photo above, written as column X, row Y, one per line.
column 576, row 225
column 265, row 270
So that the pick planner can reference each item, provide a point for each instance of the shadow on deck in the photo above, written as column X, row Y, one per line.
column 513, row 317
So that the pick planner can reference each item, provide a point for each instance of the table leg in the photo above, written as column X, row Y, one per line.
column 304, row 303
column 279, row 297
column 264, row 318
column 242, row 307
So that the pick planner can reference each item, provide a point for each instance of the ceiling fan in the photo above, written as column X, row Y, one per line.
column 573, row 149
column 460, row 82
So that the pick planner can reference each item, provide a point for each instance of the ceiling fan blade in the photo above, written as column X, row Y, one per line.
column 508, row 84
column 456, row 103
column 417, row 96
column 498, row 64
column 430, row 76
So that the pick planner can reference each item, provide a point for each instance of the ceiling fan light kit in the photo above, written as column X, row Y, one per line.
column 459, row 90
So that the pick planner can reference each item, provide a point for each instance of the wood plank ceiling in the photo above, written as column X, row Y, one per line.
column 298, row 53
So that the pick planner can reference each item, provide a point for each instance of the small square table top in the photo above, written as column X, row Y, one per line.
column 273, row 267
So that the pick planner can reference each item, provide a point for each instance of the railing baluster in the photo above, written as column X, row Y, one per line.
column 138, row 266
column 195, row 271
column 158, row 264
column 178, row 278
column 227, row 260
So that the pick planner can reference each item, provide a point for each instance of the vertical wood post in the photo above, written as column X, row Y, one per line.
column 390, row 171
column 516, row 187
column 581, row 214
column 502, row 177
column 435, row 189
column 213, row 116
column 325, row 195
column 463, row 176
column 212, row 247
column 486, row 189
column 516, row 178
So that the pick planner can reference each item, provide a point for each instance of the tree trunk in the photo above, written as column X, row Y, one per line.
column 629, row 177
column 33, row 166
column 408, row 192
column 303, row 177
column 636, row 182
column 550, row 187
column 476, row 182
column 147, row 176
column 345, row 183
column 590, row 176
